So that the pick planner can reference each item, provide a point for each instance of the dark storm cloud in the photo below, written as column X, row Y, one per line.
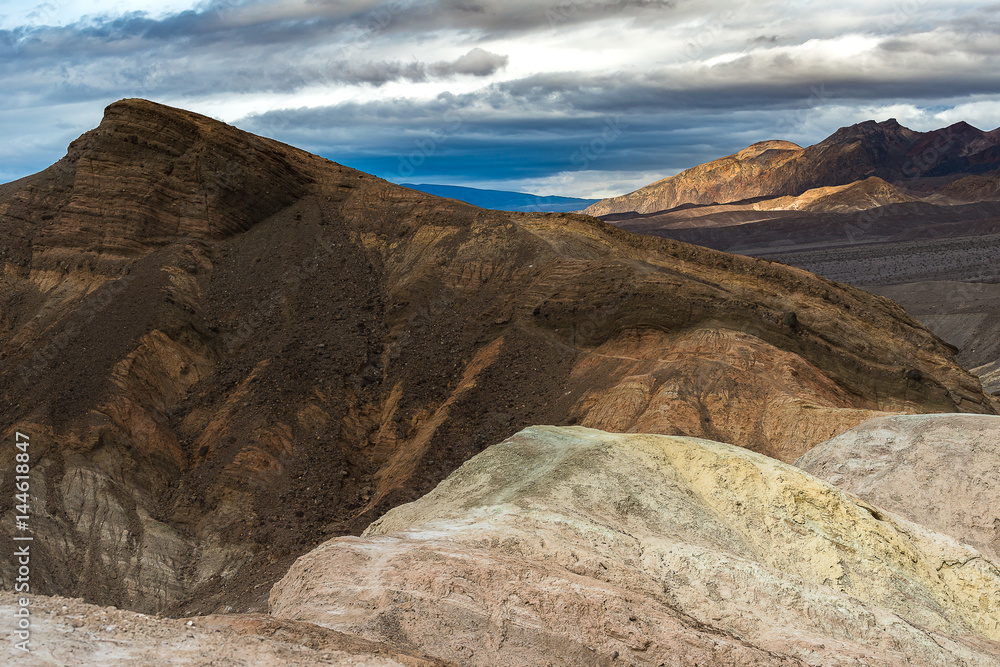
column 234, row 71
column 488, row 17
column 503, row 17
column 476, row 62
column 259, row 47
column 731, row 86
column 699, row 79
column 454, row 136
column 249, row 25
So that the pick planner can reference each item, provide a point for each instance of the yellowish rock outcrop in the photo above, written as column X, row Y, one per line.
column 574, row 546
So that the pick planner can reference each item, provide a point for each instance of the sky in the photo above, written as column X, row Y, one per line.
column 586, row 98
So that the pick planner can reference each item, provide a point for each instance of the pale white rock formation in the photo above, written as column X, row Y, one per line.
column 941, row 471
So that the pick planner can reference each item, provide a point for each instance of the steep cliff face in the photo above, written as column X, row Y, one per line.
column 226, row 350
column 570, row 546
column 886, row 150
column 143, row 178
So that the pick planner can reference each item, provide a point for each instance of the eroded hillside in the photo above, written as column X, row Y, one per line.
column 226, row 351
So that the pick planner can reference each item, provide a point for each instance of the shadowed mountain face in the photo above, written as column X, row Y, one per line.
column 776, row 168
column 974, row 188
column 226, row 350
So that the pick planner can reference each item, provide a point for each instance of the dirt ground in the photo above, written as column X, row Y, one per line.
column 69, row 632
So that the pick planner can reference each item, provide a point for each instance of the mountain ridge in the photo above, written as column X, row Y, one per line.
column 883, row 149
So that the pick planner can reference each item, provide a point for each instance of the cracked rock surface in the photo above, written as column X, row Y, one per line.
column 67, row 631
column 941, row 471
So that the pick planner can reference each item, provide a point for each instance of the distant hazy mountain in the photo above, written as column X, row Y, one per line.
column 502, row 200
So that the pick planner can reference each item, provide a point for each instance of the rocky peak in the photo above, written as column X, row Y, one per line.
column 888, row 131
column 149, row 174
column 962, row 127
column 761, row 147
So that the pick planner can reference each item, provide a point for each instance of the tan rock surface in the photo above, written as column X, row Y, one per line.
column 739, row 176
column 571, row 546
column 705, row 383
column 858, row 196
column 941, row 471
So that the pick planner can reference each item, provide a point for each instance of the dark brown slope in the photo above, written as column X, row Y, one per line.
column 225, row 350
column 886, row 150
column 975, row 188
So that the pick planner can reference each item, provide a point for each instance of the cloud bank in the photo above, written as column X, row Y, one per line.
column 513, row 94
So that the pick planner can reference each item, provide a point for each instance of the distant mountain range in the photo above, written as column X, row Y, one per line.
column 501, row 200
column 925, row 161
column 865, row 184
